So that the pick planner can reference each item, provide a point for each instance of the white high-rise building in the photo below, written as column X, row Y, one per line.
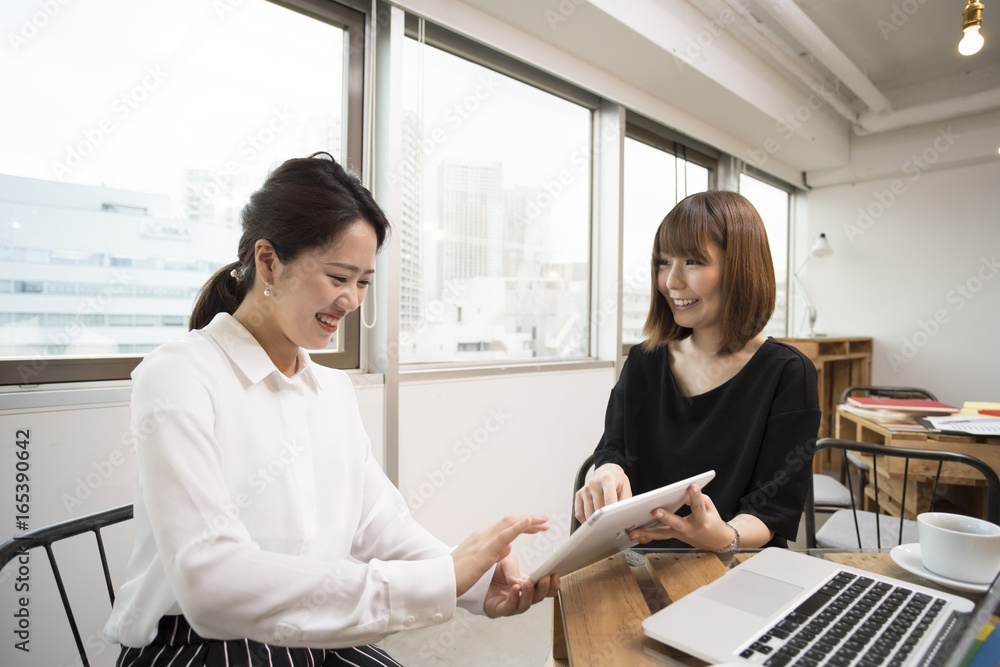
column 472, row 221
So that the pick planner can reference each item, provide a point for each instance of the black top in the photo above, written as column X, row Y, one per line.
column 756, row 431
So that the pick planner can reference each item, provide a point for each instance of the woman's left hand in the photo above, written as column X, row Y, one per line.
column 702, row 529
column 511, row 592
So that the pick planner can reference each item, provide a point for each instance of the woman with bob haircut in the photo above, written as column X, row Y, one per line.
column 706, row 390
column 265, row 531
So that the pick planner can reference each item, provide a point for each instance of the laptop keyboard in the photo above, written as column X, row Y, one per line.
column 853, row 620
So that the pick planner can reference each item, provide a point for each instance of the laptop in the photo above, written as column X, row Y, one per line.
column 604, row 534
column 783, row 608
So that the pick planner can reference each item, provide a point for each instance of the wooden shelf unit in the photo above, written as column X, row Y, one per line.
column 840, row 363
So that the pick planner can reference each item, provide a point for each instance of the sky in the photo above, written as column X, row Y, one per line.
column 131, row 94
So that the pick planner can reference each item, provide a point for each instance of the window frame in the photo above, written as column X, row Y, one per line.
column 674, row 143
column 467, row 49
column 791, row 191
column 356, row 24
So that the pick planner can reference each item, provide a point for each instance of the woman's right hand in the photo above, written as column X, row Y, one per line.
column 485, row 548
column 607, row 485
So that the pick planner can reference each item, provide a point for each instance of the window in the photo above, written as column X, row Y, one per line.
column 658, row 174
column 495, row 233
column 772, row 203
column 126, row 200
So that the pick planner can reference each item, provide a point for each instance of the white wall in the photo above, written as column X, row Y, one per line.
column 917, row 269
column 474, row 450
column 80, row 461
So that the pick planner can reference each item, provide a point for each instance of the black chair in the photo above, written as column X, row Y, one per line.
column 832, row 495
column 46, row 536
column 855, row 527
column 886, row 392
column 581, row 479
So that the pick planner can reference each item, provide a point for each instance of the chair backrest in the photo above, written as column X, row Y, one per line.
column 46, row 536
column 887, row 392
column 877, row 452
column 581, row 479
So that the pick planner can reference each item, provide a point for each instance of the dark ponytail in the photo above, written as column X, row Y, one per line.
column 223, row 293
column 304, row 203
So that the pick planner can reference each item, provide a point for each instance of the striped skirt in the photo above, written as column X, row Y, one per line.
column 177, row 645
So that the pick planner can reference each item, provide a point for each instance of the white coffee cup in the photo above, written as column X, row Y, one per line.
column 959, row 547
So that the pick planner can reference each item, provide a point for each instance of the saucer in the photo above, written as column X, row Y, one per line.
column 907, row 556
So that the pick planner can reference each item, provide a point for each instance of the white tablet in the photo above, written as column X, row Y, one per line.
column 603, row 534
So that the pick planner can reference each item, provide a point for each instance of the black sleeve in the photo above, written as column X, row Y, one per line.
column 783, row 469
column 611, row 448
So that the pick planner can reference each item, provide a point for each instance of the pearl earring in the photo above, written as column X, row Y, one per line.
column 267, row 288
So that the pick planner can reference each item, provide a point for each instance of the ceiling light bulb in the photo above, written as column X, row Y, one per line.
column 972, row 41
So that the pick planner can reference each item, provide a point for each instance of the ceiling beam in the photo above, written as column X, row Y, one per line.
column 794, row 20
column 933, row 112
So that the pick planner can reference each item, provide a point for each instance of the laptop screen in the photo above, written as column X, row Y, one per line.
column 979, row 617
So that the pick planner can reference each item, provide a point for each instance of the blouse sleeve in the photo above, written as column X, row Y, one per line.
column 783, row 469
column 388, row 531
column 225, row 584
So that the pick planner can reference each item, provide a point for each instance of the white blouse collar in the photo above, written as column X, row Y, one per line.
column 240, row 345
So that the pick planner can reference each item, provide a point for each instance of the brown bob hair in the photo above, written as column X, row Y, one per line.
column 729, row 221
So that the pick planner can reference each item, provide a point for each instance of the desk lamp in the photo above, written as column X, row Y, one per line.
column 820, row 248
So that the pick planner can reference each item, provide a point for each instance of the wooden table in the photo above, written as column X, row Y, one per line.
column 966, row 488
column 600, row 609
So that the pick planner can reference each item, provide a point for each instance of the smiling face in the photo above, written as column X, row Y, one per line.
column 693, row 287
column 307, row 298
column 313, row 294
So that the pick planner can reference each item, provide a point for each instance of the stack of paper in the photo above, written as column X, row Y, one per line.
column 963, row 424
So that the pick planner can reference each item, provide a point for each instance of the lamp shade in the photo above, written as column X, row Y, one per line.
column 820, row 247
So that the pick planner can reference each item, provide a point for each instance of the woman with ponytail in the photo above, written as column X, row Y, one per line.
column 265, row 531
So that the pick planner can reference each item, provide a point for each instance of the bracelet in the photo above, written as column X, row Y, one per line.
column 734, row 545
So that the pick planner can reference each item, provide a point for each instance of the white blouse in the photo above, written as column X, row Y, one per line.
column 259, row 510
